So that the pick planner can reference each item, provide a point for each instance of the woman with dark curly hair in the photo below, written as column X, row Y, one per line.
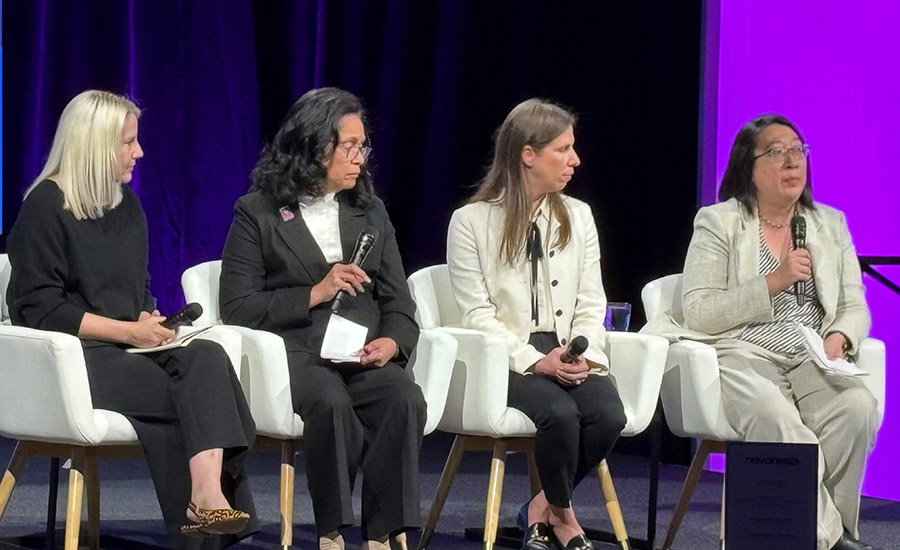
column 284, row 263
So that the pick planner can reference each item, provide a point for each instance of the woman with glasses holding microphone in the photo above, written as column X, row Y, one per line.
column 765, row 265
column 288, row 261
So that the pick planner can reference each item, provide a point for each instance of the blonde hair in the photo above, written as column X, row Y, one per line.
column 83, row 160
column 534, row 123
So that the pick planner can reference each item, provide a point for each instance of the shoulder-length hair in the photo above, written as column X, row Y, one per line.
column 83, row 159
column 534, row 123
column 738, row 179
column 293, row 163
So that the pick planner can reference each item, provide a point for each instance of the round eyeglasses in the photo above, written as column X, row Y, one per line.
column 352, row 149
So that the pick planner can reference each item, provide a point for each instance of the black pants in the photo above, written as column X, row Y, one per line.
column 577, row 426
column 360, row 418
column 180, row 402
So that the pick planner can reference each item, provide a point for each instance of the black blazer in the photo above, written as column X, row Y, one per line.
column 270, row 264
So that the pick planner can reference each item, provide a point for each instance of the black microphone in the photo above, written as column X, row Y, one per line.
column 185, row 316
column 798, row 238
column 575, row 349
column 364, row 244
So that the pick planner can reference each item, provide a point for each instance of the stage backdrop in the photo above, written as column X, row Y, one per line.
column 832, row 69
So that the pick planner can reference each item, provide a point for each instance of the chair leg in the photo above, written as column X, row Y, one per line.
column 287, row 493
column 453, row 460
column 722, row 519
column 92, row 487
column 690, row 483
column 20, row 454
column 76, row 496
column 534, row 478
column 399, row 542
column 495, row 491
column 612, row 504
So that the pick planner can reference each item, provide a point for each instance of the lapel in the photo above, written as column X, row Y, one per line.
column 823, row 262
column 296, row 236
column 747, row 245
column 352, row 221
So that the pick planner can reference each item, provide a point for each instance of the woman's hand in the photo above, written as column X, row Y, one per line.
column 147, row 332
column 834, row 345
column 567, row 374
column 346, row 277
column 378, row 352
column 795, row 266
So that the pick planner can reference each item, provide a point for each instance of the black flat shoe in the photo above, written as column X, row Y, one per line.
column 539, row 536
column 847, row 542
column 579, row 542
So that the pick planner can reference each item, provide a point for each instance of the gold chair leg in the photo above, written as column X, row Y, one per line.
column 453, row 460
column 76, row 497
column 534, row 478
column 399, row 542
column 690, row 483
column 495, row 491
column 287, row 493
column 20, row 454
column 612, row 505
column 92, row 487
column 722, row 519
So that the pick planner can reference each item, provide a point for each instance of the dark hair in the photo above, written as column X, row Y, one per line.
column 293, row 163
column 535, row 123
column 738, row 179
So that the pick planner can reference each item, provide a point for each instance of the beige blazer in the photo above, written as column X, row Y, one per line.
column 496, row 298
column 723, row 290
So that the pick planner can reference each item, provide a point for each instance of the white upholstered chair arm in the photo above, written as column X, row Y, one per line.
column 44, row 392
column 872, row 360
column 431, row 366
column 476, row 401
column 692, row 393
column 637, row 362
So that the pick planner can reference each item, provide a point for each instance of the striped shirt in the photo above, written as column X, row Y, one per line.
column 781, row 335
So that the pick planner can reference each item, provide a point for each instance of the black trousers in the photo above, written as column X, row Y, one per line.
column 577, row 426
column 359, row 418
column 180, row 402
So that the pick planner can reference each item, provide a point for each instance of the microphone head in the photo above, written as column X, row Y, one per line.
column 193, row 311
column 798, row 231
column 364, row 244
column 578, row 345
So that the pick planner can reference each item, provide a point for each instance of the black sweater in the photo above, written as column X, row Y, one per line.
column 63, row 267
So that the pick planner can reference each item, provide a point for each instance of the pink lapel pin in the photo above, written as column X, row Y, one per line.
column 286, row 213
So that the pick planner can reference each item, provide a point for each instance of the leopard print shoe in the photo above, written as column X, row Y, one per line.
column 224, row 521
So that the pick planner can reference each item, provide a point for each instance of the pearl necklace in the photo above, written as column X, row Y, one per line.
column 772, row 224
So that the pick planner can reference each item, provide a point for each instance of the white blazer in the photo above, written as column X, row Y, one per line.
column 496, row 298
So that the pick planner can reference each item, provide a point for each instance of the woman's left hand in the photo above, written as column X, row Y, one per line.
column 834, row 345
column 378, row 352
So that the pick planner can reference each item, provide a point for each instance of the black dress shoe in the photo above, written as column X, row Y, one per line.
column 539, row 536
column 579, row 542
column 847, row 542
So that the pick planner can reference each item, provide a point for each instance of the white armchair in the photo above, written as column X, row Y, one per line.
column 45, row 404
column 692, row 393
column 266, row 382
column 476, row 409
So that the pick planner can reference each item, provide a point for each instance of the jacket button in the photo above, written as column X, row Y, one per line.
column 552, row 252
column 554, row 282
column 563, row 341
column 558, row 312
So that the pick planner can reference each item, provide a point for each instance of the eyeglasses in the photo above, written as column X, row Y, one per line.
column 351, row 148
column 778, row 154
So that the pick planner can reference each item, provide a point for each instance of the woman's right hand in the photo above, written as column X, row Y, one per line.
column 795, row 266
column 567, row 374
column 147, row 332
column 346, row 277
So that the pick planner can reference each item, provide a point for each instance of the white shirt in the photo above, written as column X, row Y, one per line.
column 321, row 217
column 545, row 301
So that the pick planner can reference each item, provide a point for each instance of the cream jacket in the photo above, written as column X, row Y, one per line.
column 496, row 298
column 723, row 290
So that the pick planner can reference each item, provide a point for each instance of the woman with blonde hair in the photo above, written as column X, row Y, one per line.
column 78, row 252
column 524, row 264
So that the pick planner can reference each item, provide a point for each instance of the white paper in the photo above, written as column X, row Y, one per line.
column 185, row 336
column 816, row 348
column 344, row 340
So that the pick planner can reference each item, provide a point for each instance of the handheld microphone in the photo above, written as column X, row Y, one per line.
column 798, row 238
column 364, row 244
column 575, row 349
column 185, row 316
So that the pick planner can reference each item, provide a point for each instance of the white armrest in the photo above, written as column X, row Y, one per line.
column 692, row 393
column 44, row 393
column 872, row 360
column 637, row 362
column 431, row 366
column 230, row 340
column 476, row 401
